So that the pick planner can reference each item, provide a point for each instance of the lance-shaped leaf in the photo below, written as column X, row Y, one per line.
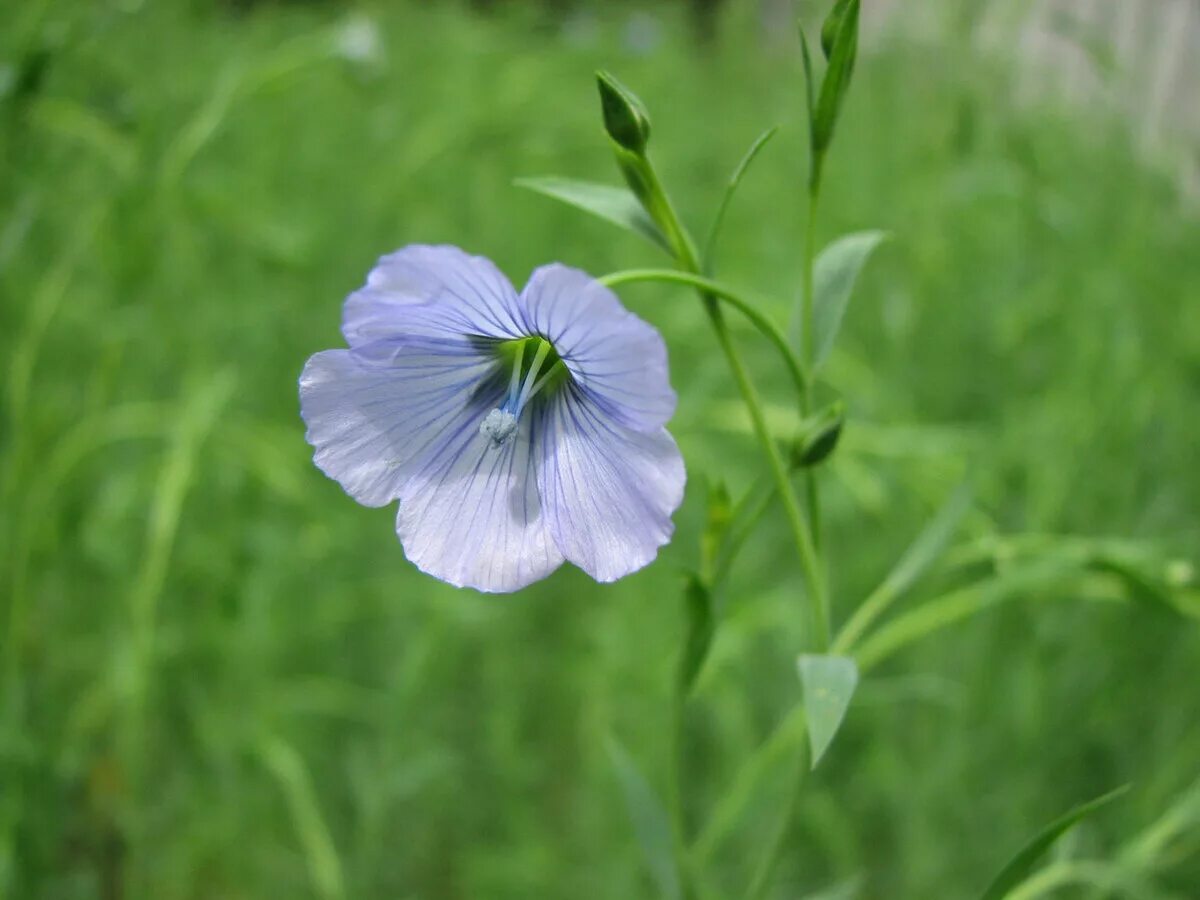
column 731, row 188
column 701, row 625
column 829, row 683
column 842, row 54
column 834, row 274
column 613, row 204
column 1022, row 864
column 651, row 824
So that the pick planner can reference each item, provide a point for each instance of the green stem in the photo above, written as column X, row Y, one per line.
column 683, row 869
column 811, row 488
column 661, row 209
column 724, row 293
column 766, row 870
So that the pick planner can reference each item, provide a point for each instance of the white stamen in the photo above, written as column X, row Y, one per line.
column 498, row 425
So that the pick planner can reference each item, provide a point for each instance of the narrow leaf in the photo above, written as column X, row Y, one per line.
column 649, row 818
column 731, row 188
column 1022, row 864
column 829, row 29
column 755, row 784
column 930, row 543
column 919, row 556
column 829, row 683
column 834, row 274
column 837, row 76
column 701, row 624
column 613, row 204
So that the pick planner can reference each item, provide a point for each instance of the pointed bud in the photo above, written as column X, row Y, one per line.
column 625, row 117
column 819, row 436
column 829, row 27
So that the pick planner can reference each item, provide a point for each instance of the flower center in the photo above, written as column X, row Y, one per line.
column 535, row 366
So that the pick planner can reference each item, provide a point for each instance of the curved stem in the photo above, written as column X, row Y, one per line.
column 957, row 605
column 661, row 210
column 722, row 292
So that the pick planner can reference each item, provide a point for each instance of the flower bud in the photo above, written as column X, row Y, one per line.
column 819, row 436
column 625, row 117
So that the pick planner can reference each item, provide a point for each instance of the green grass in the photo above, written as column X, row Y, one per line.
column 221, row 679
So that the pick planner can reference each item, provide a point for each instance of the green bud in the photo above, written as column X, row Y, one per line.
column 625, row 117
column 829, row 28
column 842, row 54
column 819, row 436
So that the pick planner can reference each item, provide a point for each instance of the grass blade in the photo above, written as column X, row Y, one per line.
column 1022, row 864
column 650, row 821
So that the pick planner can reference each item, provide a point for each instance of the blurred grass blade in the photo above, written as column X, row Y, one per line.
column 834, row 275
column 76, row 122
column 730, row 189
column 963, row 603
column 650, row 821
column 325, row 868
column 760, row 773
column 701, row 624
column 920, row 555
column 1022, row 864
column 810, row 102
column 829, row 683
column 613, row 204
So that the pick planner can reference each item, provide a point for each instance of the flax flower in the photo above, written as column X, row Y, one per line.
column 516, row 430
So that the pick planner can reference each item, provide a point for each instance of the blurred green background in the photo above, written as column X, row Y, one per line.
column 221, row 679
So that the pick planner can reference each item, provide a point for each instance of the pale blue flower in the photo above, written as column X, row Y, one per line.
column 515, row 430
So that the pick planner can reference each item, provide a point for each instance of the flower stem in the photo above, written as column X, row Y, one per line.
column 664, row 214
column 808, row 357
column 724, row 293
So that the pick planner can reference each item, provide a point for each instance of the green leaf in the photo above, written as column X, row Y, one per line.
column 930, row 543
column 701, row 624
column 756, row 784
column 919, row 556
column 837, row 77
column 718, row 518
column 731, row 188
column 829, row 683
column 649, row 818
column 810, row 101
column 829, row 29
column 834, row 274
column 1022, row 864
column 613, row 204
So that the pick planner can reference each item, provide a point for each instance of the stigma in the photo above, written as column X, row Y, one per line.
column 527, row 380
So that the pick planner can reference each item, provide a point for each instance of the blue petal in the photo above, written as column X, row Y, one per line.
column 472, row 516
column 432, row 292
column 373, row 419
column 617, row 360
column 608, row 490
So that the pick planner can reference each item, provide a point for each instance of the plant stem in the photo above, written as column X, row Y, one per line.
column 663, row 212
column 808, row 356
column 760, row 321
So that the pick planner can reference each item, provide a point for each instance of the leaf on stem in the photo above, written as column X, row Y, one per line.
column 756, row 783
column 651, row 824
column 829, row 683
column 613, row 204
column 731, row 188
column 701, row 624
column 1022, row 864
column 842, row 54
column 834, row 274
